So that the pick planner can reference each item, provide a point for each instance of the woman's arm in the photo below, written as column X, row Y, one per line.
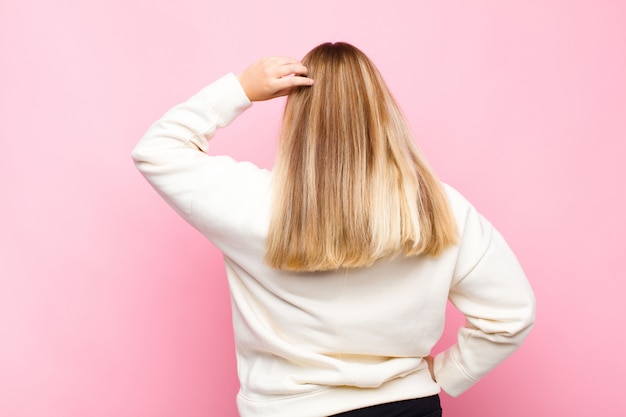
column 493, row 293
column 172, row 154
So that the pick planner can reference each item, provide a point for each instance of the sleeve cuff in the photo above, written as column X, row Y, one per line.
column 449, row 375
column 226, row 98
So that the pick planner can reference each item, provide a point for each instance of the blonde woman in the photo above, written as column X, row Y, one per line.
column 340, row 260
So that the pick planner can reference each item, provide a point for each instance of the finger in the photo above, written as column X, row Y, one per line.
column 299, row 69
column 293, row 71
column 288, row 68
column 292, row 82
column 286, row 84
column 300, row 81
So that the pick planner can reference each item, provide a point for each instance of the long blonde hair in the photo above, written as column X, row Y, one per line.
column 350, row 186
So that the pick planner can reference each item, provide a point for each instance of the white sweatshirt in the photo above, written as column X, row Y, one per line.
column 316, row 344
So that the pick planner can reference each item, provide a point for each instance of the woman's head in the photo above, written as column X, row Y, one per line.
column 350, row 186
column 347, row 85
column 349, row 101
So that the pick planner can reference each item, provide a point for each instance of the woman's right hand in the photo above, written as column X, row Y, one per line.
column 273, row 77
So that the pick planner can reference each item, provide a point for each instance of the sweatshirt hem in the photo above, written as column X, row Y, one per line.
column 339, row 399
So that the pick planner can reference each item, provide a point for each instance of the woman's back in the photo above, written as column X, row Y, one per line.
column 318, row 343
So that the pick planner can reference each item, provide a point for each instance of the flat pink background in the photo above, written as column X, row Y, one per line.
column 111, row 305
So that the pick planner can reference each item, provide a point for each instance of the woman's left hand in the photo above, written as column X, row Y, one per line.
column 430, row 361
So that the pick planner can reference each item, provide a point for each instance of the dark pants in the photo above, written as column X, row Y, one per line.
column 419, row 407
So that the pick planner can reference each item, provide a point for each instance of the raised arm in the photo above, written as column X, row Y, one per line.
column 173, row 153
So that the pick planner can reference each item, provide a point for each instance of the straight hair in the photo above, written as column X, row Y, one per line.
column 349, row 184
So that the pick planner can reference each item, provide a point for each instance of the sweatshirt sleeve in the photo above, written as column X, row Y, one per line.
column 172, row 153
column 491, row 290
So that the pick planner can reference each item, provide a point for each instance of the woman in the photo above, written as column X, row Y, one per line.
column 341, row 260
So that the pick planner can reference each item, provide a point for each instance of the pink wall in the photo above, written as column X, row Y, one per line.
column 110, row 305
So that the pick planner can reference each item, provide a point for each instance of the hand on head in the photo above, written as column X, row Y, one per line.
column 273, row 77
